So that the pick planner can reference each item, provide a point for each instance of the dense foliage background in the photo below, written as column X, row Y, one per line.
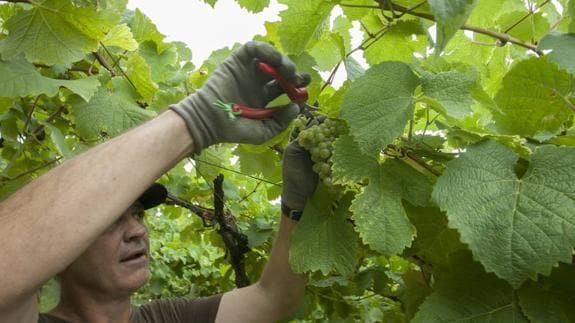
column 456, row 171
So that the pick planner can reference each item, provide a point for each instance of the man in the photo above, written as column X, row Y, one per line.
column 58, row 225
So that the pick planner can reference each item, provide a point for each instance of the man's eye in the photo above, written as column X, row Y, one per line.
column 140, row 215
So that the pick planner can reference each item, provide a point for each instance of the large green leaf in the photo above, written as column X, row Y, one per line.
column 563, row 49
column 144, row 29
column 350, row 165
column 468, row 294
column 324, row 240
column 121, row 36
column 323, row 51
column 140, row 74
column 19, row 78
column 514, row 225
column 379, row 104
column 452, row 90
column 266, row 163
column 400, row 43
column 450, row 16
column 552, row 298
column 108, row 113
column 435, row 241
column 56, row 32
column 300, row 21
column 158, row 62
column 378, row 213
column 528, row 29
column 533, row 99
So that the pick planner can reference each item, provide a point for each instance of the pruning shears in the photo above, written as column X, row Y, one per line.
column 296, row 95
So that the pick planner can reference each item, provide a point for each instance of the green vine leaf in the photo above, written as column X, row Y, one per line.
column 435, row 241
column 530, row 85
column 56, row 32
column 144, row 29
column 469, row 294
column 378, row 213
column 451, row 90
column 324, row 49
column 508, row 220
column 350, row 165
column 324, row 240
column 353, row 68
column 552, row 297
column 300, row 21
column 140, row 74
column 379, row 104
column 563, row 49
column 403, row 39
column 109, row 113
column 121, row 36
column 20, row 78
column 533, row 28
column 450, row 16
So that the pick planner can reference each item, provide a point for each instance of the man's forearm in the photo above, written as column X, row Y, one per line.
column 48, row 223
column 275, row 295
column 280, row 282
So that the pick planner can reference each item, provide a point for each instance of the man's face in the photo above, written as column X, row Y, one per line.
column 117, row 263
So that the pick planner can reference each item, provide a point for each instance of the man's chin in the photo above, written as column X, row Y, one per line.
column 134, row 280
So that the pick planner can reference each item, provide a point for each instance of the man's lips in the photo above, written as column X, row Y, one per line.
column 136, row 254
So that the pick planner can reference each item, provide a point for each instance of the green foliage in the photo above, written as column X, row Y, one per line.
column 301, row 21
column 484, row 125
column 324, row 241
column 508, row 215
column 563, row 47
column 379, row 104
column 529, row 83
column 450, row 16
column 467, row 293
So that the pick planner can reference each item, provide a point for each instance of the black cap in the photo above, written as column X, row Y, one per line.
column 153, row 196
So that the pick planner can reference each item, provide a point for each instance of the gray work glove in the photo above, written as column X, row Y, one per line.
column 239, row 80
column 299, row 179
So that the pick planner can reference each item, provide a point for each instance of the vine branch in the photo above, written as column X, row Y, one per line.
column 207, row 215
column 116, row 63
column 104, row 63
column 51, row 117
column 86, row 70
column 529, row 14
column 502, row 37
column 30, row 171
column 236, row 243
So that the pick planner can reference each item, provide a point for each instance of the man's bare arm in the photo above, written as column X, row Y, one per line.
column 276, row 295
column 51, row 221
column 48, row 223
column 279, row 290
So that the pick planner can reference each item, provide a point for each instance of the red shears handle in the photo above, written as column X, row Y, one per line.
column 296, row 95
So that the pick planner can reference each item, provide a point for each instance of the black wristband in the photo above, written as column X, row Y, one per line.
column 292, row 214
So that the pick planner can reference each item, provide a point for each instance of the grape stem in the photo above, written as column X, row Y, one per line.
column 410, row 158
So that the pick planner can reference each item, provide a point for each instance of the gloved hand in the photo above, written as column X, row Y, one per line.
column 239, row 80
column 299, row 179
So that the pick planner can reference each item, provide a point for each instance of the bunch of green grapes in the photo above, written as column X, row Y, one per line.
column 318, row 140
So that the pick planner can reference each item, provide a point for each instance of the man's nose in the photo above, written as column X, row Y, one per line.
column 135, row 229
